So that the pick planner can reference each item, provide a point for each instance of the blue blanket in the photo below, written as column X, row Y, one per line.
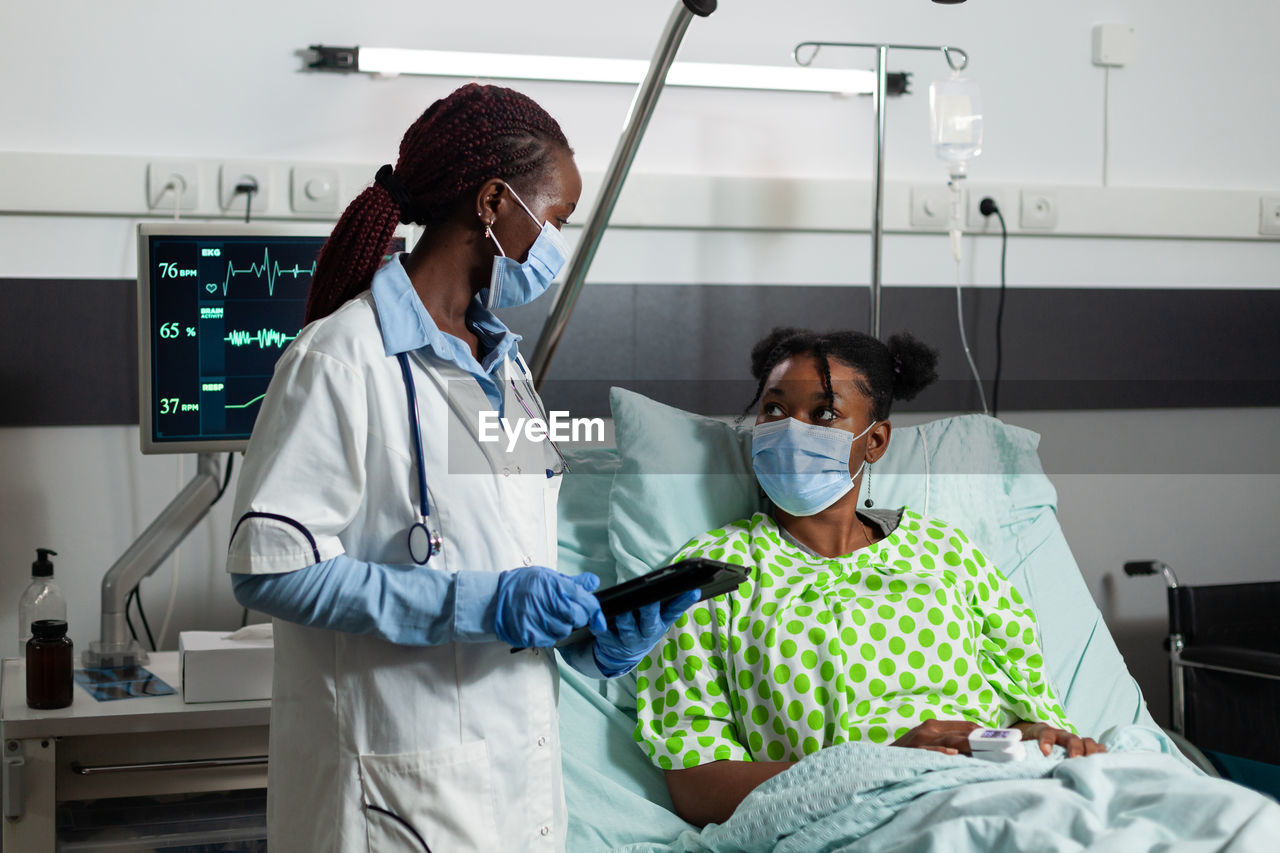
column 862, row 797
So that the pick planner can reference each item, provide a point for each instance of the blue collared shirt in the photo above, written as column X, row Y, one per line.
column 407, row 326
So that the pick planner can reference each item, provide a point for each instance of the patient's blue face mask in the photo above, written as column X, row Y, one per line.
column 513, row 283
column 804, row 468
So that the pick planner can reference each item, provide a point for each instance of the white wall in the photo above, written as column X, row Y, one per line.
column 184, row 79
column 165, row 79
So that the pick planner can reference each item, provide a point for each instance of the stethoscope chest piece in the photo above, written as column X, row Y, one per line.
column 423, row 544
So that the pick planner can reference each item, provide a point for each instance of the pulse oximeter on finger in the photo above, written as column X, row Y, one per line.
column 996, row 744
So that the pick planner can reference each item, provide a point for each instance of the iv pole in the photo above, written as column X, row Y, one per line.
column 882, row 90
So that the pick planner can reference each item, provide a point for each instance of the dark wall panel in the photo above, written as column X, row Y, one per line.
column 68, row 348
column 1064, row 348
column 68, row 352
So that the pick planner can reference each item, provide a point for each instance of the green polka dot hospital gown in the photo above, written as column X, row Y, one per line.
column 811, row 651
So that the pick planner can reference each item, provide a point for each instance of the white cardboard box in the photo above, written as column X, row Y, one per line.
column 217, row 669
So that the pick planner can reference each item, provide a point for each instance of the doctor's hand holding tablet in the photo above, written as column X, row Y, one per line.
column 402, row 555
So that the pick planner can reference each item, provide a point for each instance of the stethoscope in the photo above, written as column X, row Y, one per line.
column 423, row 543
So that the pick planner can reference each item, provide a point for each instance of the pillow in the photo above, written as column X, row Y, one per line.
column 583, row 522
column 681, row 474
column 962, row 470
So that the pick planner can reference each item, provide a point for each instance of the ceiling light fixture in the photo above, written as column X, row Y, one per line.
column 390, row 61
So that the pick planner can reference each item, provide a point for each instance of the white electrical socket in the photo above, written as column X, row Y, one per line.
column 164, row 175
column 314, row 189
column 930, row 206
column 233, row 173
column 1039, row 210
column 974, row 220
column 1269, row 217
column 1114, row 45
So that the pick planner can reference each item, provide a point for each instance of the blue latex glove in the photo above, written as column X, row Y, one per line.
column 635, row 633
column 408, row 605
column 536, row 606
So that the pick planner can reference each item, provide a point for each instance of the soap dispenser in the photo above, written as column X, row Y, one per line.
column 41, row 600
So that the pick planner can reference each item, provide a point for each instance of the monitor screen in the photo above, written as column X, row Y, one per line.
column 217, row 304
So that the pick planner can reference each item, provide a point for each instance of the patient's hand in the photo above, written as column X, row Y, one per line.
column 1075, row 745
column 947, row 736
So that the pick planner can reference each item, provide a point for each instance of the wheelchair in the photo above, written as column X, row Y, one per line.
column 1224, row 673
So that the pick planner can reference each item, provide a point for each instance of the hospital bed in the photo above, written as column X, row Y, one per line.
column 674, row 475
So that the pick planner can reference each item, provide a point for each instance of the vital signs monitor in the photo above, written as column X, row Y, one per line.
column 217, row 304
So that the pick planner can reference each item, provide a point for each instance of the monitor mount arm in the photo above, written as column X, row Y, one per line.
column 115, row 647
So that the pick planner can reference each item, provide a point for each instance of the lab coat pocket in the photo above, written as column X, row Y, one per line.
column 445, row 796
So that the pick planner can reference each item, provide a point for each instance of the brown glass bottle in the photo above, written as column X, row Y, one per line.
column 49, row 665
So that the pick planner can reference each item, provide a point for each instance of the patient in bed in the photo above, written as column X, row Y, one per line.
column 857, row 623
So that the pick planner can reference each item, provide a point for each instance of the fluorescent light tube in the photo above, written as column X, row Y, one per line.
column 510, row 66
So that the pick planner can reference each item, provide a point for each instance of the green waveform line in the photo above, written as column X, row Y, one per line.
column 270, row 268
column 263, row 338
column 244, row 405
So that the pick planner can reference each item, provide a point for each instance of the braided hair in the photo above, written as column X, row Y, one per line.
column 471, row 136
column 898, row 370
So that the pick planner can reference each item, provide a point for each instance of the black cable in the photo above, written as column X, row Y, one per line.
column 137, row 597
column 248, row 187
column 128, row 598
column 226, row 477
column 402, row 821
column 150, row 687
column 244, row 618
column 1004, row 252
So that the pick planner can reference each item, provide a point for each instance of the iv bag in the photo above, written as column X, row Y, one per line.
column 956, row 111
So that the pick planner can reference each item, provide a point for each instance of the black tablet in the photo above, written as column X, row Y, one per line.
column 712, row 577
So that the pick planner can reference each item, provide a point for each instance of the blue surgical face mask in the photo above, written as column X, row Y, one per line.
column 804, row 468
column 513, row 283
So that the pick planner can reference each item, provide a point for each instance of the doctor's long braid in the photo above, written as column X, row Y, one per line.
column 462, row 140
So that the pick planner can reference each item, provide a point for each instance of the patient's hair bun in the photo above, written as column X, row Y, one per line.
column 762, row 354
column 914, row 365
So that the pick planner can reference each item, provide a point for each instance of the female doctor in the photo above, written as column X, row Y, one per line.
column 402, row 557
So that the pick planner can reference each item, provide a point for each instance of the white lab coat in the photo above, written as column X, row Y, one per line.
column 460, row 740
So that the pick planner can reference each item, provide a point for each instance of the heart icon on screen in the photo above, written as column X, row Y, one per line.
column 211, row 287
